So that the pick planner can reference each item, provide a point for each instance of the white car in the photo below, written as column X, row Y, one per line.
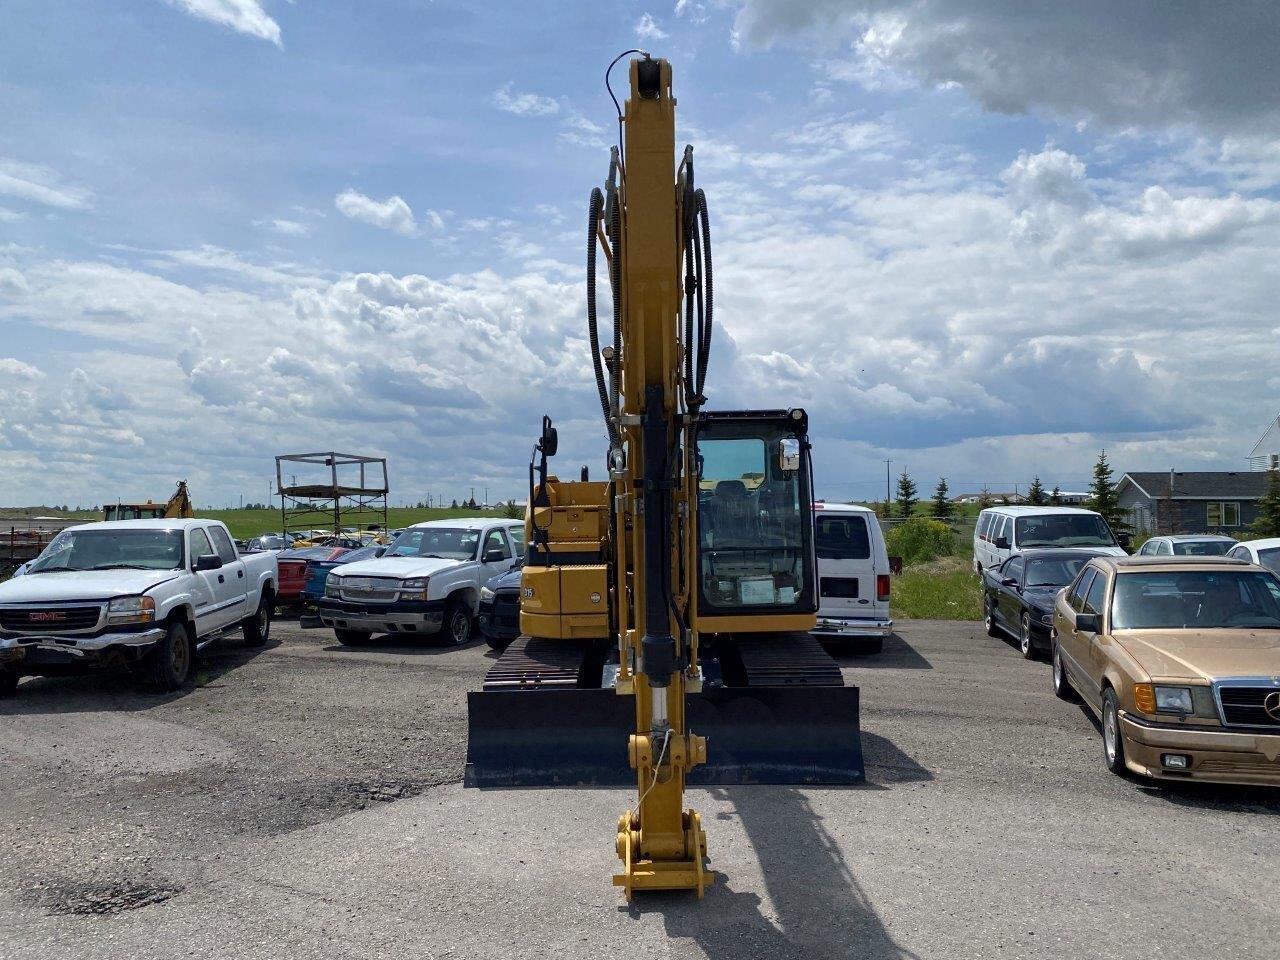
column 427, row 582
column 1187, row 545
column 853, row 575
column 1265, row 552
column 1004, row 531
column 151, row 592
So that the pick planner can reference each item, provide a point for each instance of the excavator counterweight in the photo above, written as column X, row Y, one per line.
column 665, row 612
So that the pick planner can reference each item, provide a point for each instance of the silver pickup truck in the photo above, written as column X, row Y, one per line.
column 145, row 592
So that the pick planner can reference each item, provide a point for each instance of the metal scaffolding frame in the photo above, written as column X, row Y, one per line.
column 352, row 493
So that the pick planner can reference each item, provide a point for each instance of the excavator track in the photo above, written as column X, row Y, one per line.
column 532, row 662
column 783, row 716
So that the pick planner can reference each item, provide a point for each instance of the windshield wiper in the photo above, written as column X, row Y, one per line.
column 1046, row 584
column 117, row 566
column 48, row 570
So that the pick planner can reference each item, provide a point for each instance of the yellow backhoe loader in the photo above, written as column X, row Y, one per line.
column 665, row 611
column 179, row 505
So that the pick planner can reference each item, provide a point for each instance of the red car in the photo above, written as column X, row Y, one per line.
column 293, row 570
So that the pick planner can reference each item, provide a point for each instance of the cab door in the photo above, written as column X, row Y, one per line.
column 1009, row 597
column 207, row 590
column 495, row 554
column 1070, row 645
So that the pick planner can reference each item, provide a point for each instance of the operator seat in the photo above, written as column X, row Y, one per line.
column 735, row 518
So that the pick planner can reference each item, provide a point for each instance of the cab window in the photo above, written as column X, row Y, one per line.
column 226, row 549
column 1097, row 590
column 1075, row 596
column 200, row 546
column 517, row 539
column 1013, row 568
column 496, row 541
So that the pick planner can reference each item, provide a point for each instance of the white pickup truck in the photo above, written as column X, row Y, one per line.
column 427, row 582
column 146, row 592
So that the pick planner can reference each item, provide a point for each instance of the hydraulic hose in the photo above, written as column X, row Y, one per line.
column 595, row 209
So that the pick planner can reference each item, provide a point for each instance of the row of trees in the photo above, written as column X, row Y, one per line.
column 941, row 506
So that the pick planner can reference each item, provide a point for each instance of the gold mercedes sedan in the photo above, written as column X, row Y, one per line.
column 1179, row 657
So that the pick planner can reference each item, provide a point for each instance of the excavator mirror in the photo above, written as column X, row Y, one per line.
column 788, row 454
column 550, row 441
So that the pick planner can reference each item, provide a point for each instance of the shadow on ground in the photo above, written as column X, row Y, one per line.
column 125, row 688
column 814, row 906
column 897, row 654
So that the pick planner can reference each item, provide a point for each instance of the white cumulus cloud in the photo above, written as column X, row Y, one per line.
column 647, row 28
column 524, row 104
column 242, row 16
column 389, row 214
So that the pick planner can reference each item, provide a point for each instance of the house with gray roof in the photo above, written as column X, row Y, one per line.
column 1200, row 501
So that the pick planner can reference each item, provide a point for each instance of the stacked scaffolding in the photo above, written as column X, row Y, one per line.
column 330, row 491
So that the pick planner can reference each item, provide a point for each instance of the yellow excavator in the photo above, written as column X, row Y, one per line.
column 665, row 611
column 179, row 505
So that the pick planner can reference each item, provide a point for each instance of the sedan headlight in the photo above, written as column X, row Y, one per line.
column 486, row 593
column 131, row 610
column 415, row 589
column 1174, row 700
column 333, row 586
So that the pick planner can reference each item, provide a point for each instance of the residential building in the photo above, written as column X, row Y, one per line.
column 1203, row 501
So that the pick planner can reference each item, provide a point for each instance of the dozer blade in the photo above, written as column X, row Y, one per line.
column 578, row 737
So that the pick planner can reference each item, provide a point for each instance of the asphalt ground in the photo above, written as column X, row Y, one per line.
column 304, row 800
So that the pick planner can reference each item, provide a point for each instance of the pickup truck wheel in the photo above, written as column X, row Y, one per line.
column 257, row 629
column 349, row 638
column 8, row 682
column 457, row 622
column 173, row 658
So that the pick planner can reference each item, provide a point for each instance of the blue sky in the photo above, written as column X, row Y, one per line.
column 984, row 238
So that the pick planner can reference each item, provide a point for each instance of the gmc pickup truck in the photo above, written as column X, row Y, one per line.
column 145, row 592
column 427, row 582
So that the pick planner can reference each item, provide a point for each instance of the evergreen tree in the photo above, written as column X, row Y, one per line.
column 1004, row 499
column 1035, row 493
column 512, row 511
column 941, row 501
column 906, row 497
column 984, row 498
column 454, row 505
column 1102, row 494
column 1268, row 522
column 1055, row 498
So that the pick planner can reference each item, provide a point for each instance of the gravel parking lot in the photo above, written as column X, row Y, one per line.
column 304, row 801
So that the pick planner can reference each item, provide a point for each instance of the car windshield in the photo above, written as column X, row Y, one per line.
column 269, row 543
column 1270, row 558
column 307, row 553
column 1054, row 571
column 1196, row 599
column 104, row 549
column 447, row 543
column 841, row 538
column 1202, row 548
column 1063, row 530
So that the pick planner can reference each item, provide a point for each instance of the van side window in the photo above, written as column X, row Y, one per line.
column 984, row 524
column 1075, row 597
column 1003, row 529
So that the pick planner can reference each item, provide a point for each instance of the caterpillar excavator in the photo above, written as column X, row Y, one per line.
column 179, row 505
column 665, row 611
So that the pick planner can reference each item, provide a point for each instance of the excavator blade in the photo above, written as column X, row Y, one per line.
column 577, row 737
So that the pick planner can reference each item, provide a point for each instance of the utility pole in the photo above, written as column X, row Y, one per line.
column 486, row 496
column 886, row 486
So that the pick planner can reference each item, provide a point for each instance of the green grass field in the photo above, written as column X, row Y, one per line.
column 946, row 589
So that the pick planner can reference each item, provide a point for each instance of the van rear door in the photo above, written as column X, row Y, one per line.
column 846, row 565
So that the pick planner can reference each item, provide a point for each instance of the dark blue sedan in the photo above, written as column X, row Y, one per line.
column 499, row 612
column 1017, row 595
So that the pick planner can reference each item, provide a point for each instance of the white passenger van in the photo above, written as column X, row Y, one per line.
column 853, row 575
column 1003, row 531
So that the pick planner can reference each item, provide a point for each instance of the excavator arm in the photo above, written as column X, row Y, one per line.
column 665, row 612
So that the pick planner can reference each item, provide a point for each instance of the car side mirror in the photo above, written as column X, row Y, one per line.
column 1009, row 582
column 210, row 561
column 380, row 551
column 1002, row 543
column 1124, row 540
column 495, row 555
column 1087, row 622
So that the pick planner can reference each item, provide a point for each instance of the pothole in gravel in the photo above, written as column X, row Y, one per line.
column 106, row 900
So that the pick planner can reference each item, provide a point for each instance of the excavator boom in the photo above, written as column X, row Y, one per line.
column 665, row 612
